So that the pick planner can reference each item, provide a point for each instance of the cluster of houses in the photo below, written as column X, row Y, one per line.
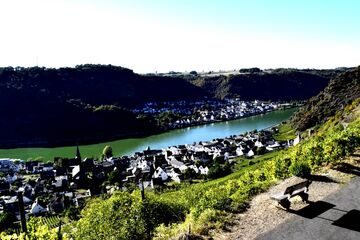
column 52, row 187
column 206, row 111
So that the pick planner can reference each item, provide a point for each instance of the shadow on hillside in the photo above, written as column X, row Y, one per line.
column 348, row 168
column 314, row 209
column 321, row 178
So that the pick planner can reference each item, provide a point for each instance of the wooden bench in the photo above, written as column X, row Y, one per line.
column 299, row 189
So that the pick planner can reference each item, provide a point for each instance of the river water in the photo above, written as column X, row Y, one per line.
column 158, row 141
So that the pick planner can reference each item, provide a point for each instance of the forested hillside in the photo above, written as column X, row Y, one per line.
column 341, row 90
column 279, row 84
column 41, row 106
column 88, row 103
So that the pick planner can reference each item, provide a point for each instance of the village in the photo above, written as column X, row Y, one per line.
column 49, row 188
column 190, row 113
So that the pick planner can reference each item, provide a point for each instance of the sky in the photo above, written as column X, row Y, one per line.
column 180, row 35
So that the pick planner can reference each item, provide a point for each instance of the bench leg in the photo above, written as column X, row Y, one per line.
column 304, row 196
column 285, row 204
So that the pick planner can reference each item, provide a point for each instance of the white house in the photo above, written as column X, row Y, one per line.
column 36, row 208
column 204, row 170
column 160, row 173
column 13, row 199
column 273, row 146
column 174, row 176
column 143, row 165
column 195, row 168
column 7, row 164
column 239, row 151
column 250, row 153
column 297, row 140
column 175, row 163
column 75, row 170
column 11, row 179
column 183, row 168
column 258, row 144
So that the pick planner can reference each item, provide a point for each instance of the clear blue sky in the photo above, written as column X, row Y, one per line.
column 181, row 35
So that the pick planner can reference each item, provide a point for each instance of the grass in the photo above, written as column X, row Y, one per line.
column 31, row 177
column 242, row 166
column 286, row 132
column 242, row 163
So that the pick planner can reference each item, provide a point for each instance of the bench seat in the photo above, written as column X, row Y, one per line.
column 299, row 189
column 296, row 192
column 280, row 197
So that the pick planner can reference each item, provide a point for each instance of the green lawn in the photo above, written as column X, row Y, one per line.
column 48, row 154
column 286, row 132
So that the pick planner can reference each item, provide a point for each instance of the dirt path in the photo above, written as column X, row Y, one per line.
column 263, row 214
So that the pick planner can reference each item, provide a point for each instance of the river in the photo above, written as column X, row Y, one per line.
column 158, row 141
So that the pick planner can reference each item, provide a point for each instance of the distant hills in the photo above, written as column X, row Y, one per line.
column 341, row 91
column 89, row 103
column 278, row 84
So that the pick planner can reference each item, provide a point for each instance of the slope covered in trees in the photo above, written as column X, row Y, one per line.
column 41, row 106
column 341, row 90
column 89, row 103
column 279, row 84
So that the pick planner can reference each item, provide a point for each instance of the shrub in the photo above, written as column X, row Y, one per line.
column 282, row 165
column 300, row 169
column 7, row 220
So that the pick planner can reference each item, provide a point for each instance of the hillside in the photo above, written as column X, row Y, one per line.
column 279, row 84
column 90, row 103
column 196, row 211
column 47, row 107
column 341, row 91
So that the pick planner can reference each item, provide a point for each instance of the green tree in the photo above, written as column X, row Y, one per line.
column 107, row 152
column 115, row 177
column 7, row 221
column 189, row 173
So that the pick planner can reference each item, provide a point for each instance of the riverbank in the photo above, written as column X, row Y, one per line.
column 54, row 143
column 171, row 138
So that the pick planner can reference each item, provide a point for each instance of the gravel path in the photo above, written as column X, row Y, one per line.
column 335, row 217
column 264, row 220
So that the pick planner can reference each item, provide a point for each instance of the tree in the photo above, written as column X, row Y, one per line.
column 73, row 213
column 115, row 177
column 189, row 173
column 107, row 152
column 7, row 221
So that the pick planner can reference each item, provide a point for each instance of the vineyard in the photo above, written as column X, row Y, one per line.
column 51, row 222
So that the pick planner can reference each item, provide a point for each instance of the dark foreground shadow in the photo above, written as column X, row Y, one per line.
column 321, row 178
column 348, row 168
column 313, row 210
column 351, row 220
